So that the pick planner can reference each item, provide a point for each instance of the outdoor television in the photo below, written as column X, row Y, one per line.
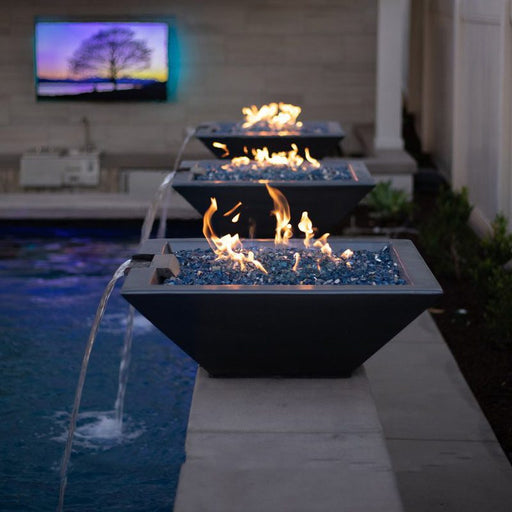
column 104, row 60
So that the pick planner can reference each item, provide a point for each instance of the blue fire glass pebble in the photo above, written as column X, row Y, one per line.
column 213, row 171
column 200, row 267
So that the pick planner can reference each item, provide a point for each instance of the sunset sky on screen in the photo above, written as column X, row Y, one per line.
column 57, row 41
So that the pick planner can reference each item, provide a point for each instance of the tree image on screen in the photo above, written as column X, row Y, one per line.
column 110, row 53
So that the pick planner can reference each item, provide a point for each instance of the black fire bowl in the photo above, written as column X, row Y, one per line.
column 322, row 139
column 333, row 200
column 280, row 330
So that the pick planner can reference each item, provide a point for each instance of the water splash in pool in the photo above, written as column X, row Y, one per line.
column 98, row 430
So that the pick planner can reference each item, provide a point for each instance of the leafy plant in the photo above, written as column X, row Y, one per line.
column 497, row 247
column 388, row 204
column 495, row 281
column 494, row 251
column 446, row 236
column 498, row 306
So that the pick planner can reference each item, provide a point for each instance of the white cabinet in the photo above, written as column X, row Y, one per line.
column 56, row 169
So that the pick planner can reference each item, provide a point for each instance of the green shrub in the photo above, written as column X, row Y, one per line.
column 389, row 205
column 494, row 251
column 455, row 251
column 497, row 247
column 494, row 281
column 446, row 237
column 498, row 306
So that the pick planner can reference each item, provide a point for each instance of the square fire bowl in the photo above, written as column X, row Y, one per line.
column 322, row 139
column 281, row 330
column 327, row 202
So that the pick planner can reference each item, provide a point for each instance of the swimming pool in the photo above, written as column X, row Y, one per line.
column 50, row 288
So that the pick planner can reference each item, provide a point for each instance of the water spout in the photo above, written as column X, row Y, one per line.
column 149, row 219
column 165, row 198
column 81, row 379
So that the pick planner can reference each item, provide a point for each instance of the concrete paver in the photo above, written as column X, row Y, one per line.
column 278, row 445
column 452, row 476
column 355, row 451
column 206, row 488
column 444, row 453
column 86, row 205
column 282, row 405
column 421, row 394
column 422, row 330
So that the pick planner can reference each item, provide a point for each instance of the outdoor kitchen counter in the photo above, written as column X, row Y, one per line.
column 278, row 445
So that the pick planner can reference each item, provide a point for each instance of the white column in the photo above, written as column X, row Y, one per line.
column 390, row 48
column 505, row 197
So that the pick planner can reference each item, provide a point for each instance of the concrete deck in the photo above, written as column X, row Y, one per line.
column 285, row 445
column 444, row 453
column 314, row 445
column 86, row 205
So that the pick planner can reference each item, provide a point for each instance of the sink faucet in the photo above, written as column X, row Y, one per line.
column 88, row 145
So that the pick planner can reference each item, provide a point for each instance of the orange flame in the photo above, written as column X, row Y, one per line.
column 238, row 161
column 306, row 226
column 263, row 158
column 278, row 116
column 229, row 212
column 228, row 247
column 325, row 248
column 313, row 161
column 282, row 214
column 347, row 254
column 297, row 259
column 222, row 146
column 290, row 158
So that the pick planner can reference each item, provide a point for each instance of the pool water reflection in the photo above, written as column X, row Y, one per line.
column 49, row 292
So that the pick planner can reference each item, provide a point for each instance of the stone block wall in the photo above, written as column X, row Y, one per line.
column 319, row 54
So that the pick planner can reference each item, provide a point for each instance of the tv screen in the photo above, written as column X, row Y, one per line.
column 102, row 60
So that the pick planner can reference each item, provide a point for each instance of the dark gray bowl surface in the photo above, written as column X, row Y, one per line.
column 322, row 139
column 327, row 202
column 292, row 331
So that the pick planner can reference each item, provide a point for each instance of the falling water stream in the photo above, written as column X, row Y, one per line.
column 160, row 199
column 81, row 379
column 160, row 194
column 123, row 368
column 163, row 217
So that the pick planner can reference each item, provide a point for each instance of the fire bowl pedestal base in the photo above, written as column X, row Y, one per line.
column 279, row 330
column 285, row 445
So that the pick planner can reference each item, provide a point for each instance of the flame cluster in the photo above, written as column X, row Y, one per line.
column 274, row 116
column 230, row 247
column 262, row 158
column 281, row 118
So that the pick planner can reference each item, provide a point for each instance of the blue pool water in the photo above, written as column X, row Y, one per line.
column 49, row 291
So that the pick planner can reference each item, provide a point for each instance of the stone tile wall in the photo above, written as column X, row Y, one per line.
column 319, row 54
